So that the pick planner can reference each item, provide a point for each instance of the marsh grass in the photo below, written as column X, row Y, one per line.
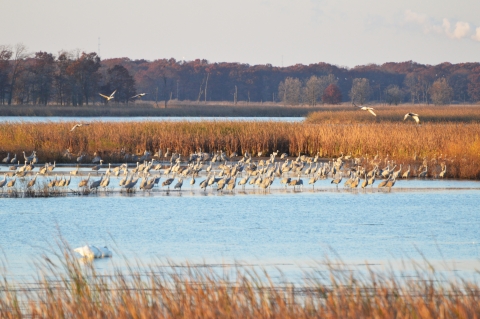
column 456, row 144
column 73, row 288
column 40, row 189
column 395, row 114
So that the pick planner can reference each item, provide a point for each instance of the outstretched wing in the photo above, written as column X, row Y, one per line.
column 135, row 96
column 113, row 93
column 73, row 128
column 416, row 118
column 371, row 111
column 406, row 116
column 104, row 96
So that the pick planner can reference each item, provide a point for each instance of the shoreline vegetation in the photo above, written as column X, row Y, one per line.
column 343, row 113
column 446, row 136
column 73, row 288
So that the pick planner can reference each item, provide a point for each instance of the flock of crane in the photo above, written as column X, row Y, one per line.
column 221, row 172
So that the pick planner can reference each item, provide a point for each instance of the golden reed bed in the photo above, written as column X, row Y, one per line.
column 428, row 114
column 70, row 289
column 457, row 144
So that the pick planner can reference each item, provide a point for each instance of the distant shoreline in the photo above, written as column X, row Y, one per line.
column 189, row 110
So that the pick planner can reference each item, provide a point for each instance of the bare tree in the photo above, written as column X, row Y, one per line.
column 413, row 86
column 290, row 91
column 440, row 92
column 360, row 91
column 393, row 95
column 206, row 86
column 19, row 56
column 315, row 87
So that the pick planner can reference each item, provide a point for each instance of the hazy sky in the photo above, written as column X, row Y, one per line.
column 342, row 32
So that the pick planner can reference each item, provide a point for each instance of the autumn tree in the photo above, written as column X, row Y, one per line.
column 413, row 87
column 63, row 82
column 119, row 79
column 360, row 91
column 393, row 95
column 84, row 71
column 43, row 76
column 5, row 55
column 458, row 81
column 440, row 92
column 18, row 59
column 332, row 95
column 289, row 91
column 474, row 86
column 315, row 86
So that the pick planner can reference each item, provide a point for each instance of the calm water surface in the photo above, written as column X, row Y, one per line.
column 281, row 227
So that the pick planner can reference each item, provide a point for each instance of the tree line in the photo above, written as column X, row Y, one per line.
column 76, row 78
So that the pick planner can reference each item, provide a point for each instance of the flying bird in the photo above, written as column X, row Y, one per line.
column 108, row 98
column 139, row 96
column 78, row 125
column 366, row 108
column 414, row 116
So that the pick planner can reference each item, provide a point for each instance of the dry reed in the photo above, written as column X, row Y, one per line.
column 456, row 143
column 428, row 114
column 71, row 289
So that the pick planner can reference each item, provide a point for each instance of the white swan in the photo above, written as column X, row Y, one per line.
column 108, row 98
column 90, row 251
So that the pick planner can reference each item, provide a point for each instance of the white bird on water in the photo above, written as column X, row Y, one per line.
column 413, row 115
column 90, row 251
column 108, row 98
column 366, row 108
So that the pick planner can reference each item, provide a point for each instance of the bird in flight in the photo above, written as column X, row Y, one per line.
column 139, row 96
column 365, row 108
column 108, row 98
column 78, row 125
column 414, row 116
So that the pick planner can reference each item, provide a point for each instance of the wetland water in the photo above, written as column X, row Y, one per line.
column 438, row 218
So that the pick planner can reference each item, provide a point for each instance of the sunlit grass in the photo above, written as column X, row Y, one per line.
column 388, row 113
column 455, row 142
column 69, row 288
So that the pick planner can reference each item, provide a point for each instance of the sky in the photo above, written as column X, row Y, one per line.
column 279, row 32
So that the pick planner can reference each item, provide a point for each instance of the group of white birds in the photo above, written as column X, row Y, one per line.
column 371, row 110
column 91, row 252
column 112, row 96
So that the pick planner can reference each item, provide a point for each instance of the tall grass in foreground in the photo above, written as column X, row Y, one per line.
column 75, row 290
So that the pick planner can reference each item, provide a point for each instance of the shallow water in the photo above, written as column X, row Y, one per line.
column 437, row 218
column 143, row 118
